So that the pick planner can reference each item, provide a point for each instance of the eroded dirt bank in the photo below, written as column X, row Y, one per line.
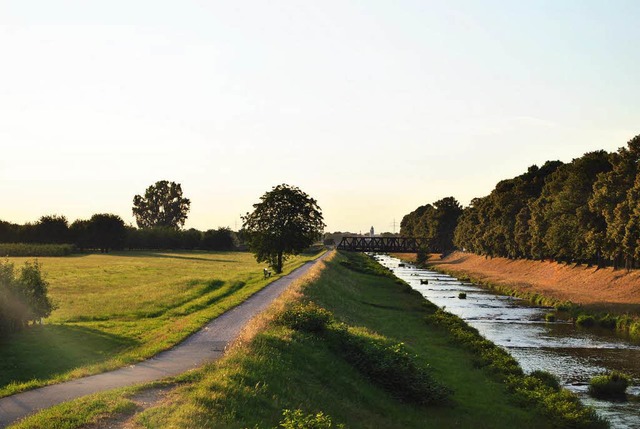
column 604, row 288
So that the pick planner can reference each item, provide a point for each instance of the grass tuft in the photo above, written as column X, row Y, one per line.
column 297, row 419
column 612, row 385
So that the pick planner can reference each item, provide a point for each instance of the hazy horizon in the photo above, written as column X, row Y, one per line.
column 372, row 108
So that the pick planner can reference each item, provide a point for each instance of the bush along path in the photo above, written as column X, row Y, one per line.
column 206, row 345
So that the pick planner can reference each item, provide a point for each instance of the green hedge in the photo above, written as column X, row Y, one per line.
column 30, row 249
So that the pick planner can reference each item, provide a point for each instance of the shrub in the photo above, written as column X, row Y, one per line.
column 391, row 366
column 23, row 298
column 550, row 317
column 565, row 306
column 462, row 295
column 547, row 379
column 561, row 406
column 607, row 321
column 307, row 317
column 586, row 321
column 298, row 420
column 611, row 385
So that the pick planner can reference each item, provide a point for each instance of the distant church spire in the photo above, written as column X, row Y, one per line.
column 371, row 232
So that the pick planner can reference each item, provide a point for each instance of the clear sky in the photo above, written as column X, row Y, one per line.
column 371, row 107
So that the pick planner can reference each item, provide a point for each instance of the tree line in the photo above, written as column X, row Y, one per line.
column 436, row 222
column 585, row 211
column 160, row 215
column 107, row 232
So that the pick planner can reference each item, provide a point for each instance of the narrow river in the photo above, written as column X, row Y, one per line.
column 574, row 355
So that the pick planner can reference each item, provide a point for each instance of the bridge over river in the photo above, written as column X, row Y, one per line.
column 382, row 244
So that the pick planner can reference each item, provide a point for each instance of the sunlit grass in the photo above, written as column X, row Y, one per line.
column 120, row 308
column 272, row 368
column 287, row 369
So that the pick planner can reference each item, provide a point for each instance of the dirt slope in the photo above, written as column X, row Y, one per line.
column 613, row 290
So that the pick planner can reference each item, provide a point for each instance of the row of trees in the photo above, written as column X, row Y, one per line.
column 436, row 222
column 23, row 297
column 585, row 211
column 105, row 232
column 160, row 215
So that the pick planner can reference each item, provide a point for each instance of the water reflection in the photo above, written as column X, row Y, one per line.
column 573, row 355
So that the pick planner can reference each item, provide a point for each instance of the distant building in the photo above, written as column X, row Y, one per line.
column 371, row 232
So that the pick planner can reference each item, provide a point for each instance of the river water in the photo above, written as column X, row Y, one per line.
column 574, row 355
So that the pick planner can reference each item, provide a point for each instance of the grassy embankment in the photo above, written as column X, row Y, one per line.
column 123, row 307
column 294, row 358
column 592, row 296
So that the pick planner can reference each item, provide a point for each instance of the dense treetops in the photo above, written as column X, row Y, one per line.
column 162, row 206
column 585, row 211
column 435, row 222
column 107, row 232
column 160, row 214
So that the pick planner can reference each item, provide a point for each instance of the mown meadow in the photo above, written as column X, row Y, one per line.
column 330, row 354
column 115, row 309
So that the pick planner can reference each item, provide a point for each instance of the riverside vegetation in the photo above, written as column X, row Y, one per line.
column 612, row 385
column 116, row 309
column 330, row 353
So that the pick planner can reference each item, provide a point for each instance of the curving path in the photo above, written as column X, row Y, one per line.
column 206, row 345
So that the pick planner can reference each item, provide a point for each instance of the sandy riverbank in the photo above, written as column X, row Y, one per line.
column 604, row 288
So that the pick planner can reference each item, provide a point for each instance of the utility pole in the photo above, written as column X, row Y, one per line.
column 394, row 225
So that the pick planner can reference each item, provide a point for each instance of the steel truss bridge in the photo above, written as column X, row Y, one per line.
column 382, row 244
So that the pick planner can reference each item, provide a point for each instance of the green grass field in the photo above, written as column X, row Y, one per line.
column 119, row 308
column 275, row 367
column 286, row 369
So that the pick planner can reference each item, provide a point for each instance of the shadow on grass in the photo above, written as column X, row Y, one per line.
column 612, row 307
column 196, row 306
column 161, row 254
column 41, row 352
column 179, row 254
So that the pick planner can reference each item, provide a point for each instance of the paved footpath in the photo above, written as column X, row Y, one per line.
column 206, row 345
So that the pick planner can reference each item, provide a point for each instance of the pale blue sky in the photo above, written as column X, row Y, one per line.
column 371, row 107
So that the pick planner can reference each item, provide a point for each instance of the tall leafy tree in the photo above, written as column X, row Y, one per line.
column 498, row 224
column 9, row 232
column 610, row 199
column 106, row 231
column 410, row 223
column 52, row 229
column 435, row 222
column 219, row 239
column 284, row 222
column 162, row 206
column 447, row 213
column 79, row 232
